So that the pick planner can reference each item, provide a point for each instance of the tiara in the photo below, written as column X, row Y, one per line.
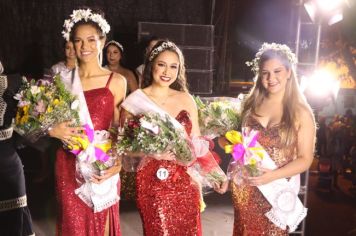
column 162, row 47
column 281, row 48
column 81, row 14
column 116, row 44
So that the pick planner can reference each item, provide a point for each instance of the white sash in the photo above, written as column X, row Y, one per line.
column 282, row 194
column 138, row 102
column 96, row 196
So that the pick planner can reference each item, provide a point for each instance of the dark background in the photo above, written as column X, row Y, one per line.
column 30, row 31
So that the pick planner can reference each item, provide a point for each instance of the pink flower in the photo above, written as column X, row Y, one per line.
column 40, row 107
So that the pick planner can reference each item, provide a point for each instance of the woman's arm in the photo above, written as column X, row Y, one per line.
column 119, row 87
column 131, row 81
column 305, row 153
column 192, row 109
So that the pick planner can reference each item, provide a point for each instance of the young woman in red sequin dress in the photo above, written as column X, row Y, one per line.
column 168, row 205
column 102, row 90
column 277, row 109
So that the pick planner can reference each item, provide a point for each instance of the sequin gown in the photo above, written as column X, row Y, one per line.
column 249, row 203
column 170, row 206
column 75, row 218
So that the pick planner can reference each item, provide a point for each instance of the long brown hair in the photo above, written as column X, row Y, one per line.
column 161, row 46
column 293, row 99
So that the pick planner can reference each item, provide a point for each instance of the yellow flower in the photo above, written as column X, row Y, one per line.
column 55, row 101
column 25, row 109
column 49, row 109
column 24, row 119
column 252, row 161
column 18, row 117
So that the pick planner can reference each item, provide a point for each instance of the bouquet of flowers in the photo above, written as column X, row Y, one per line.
column 150, row 133
column 218, row 115
column 42, row 104
column 246, row 152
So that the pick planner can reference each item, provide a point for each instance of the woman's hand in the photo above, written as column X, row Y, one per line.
column 222, row 187
column 65, row 132
column 265, row 178
column 106, row 174
column 222, row 141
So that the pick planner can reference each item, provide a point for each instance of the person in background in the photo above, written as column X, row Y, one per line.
column 114, row 57
column 15, row 216
column 70, row 59
column 139, row 70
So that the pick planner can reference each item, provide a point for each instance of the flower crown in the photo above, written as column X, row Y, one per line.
column 165, row 45
column 81, row 14
column 117, row 44
column 281, row 48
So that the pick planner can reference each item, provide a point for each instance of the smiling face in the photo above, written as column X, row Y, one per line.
column 113, row 55
column 274, row 76
column 165, row 68
column 87, row 43
column 69, row 50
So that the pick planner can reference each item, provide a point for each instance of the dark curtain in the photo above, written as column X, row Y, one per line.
column 30, row 38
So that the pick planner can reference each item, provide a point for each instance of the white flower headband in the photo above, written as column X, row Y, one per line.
column 81, row 14
column 117, row 44
column 162, row 47
column 282, row 48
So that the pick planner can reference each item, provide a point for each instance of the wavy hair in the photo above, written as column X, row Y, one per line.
column 293, row 99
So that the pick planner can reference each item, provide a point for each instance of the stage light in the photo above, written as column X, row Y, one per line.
column 321, row 84
column 330, row 10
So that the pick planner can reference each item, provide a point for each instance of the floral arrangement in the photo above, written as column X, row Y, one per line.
column 43, row 104
column 218, row 115
column 281, row 48
column 246, row 152
column 152, row 134
column 84, row 14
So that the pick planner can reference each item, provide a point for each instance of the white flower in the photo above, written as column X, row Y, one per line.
column 19, row 96
column 149, row 126
column 81, row 14
column 35, row 89
column 75, row 104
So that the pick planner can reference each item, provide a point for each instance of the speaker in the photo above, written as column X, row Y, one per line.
column 197, row 45
column 181, row 34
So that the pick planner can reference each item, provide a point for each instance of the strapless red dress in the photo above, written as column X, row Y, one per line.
column 74, row 217
column 170, row 206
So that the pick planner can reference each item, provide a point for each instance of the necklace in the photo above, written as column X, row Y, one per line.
column 160, row 101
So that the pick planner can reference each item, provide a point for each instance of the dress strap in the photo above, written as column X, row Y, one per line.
column 107, row 83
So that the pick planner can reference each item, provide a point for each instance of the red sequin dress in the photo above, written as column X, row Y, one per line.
column 170, row 206
column 74, row 217
column 249, row 203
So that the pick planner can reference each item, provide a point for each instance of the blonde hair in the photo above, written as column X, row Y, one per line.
column 293, row 99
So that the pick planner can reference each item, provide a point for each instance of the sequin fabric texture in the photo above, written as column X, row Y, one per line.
column 169, row 206
column 249, row 203
column 75, row 218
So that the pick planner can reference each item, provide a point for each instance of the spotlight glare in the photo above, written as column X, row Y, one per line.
column 322, row 83
column 329, row 5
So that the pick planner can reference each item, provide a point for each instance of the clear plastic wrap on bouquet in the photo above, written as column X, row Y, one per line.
column 247, row 155
column 43, row 104
column 217, row 115
column 94, row 156
column 205, row 169
column 151, row 135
